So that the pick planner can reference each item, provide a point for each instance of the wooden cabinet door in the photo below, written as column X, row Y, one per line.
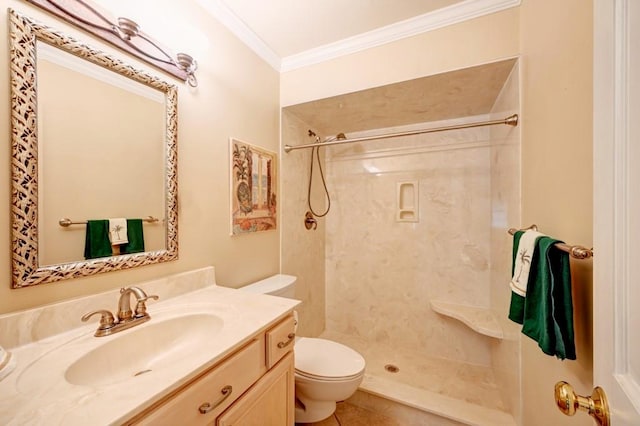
column 270, row 402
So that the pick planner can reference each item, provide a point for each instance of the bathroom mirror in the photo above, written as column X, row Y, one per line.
column 92, row 137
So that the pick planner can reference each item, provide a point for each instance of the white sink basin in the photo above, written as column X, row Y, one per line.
column 151, row 346
column 154, row 346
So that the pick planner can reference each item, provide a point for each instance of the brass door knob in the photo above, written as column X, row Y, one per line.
column 596, row 404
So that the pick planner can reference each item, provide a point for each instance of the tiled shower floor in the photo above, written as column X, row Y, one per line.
column 455, row 390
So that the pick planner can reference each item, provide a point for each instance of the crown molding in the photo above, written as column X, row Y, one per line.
column 454, row 14
column 229, row 19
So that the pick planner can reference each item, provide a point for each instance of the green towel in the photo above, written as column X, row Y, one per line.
column 96, row 243
column 135, row 235
column 546, row 313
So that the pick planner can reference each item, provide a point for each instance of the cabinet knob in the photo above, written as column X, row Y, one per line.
column 207, row 406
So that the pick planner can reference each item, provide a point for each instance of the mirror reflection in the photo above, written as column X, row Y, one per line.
column 101, row 153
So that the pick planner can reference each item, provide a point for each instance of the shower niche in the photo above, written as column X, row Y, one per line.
column 407, row 201
column 411, row 266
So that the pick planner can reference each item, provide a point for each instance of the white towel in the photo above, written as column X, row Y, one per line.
column 118, row 231
column 526, row 246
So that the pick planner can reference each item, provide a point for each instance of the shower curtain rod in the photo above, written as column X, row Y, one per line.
column 512, row 120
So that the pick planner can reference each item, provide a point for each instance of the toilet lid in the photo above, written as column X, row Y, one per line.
column 326, row 359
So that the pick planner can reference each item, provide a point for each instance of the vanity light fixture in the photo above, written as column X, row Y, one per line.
column 127, row 30
column 123, row 33
column 189, row 65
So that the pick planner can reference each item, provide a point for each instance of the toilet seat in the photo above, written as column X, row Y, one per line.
column 325, row 360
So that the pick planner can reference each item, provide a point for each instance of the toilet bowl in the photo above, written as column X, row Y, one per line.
column 326, row 372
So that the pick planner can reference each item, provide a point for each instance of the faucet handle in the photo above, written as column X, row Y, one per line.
column 107, row 320
column 141, row 307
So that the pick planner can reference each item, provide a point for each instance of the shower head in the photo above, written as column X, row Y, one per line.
column 338, row 137
column 312, row 134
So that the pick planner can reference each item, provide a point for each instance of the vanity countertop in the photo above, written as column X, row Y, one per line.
column 36, row 392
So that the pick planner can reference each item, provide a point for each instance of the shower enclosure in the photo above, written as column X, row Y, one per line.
column 411, row 266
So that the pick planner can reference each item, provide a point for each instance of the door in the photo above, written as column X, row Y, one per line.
column 617, row 206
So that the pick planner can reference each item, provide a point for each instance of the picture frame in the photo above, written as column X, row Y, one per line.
column 254, row 188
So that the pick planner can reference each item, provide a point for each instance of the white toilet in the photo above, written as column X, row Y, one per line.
column 325, row 372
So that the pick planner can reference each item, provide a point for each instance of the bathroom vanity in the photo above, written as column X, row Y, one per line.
column 253, row 385
column 208, row 355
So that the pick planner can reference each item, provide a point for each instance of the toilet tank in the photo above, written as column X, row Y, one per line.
column 276, row 285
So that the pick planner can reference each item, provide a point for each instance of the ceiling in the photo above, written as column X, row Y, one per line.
column 290, row 27
column 290, row 34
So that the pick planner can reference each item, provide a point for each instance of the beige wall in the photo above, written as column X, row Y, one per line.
column 557, row 95
column 238, row 95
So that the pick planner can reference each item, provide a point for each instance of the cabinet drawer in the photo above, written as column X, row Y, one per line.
column 280, row 340
column 212, row 393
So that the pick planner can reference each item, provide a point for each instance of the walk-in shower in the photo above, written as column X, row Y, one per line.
column 395, row 290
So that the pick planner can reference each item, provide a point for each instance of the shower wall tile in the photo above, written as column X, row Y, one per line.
column 505, row 206
column 382, row 274
column 303, row 251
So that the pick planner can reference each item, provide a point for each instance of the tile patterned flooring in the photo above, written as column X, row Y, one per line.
column 350, row 415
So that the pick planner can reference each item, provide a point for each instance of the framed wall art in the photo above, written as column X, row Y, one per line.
column 254, row 188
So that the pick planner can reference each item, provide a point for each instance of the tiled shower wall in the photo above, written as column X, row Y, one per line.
column 303, row 250
column 505, row 206
column 381, row 274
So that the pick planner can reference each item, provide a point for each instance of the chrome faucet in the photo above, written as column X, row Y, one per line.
column 126, row 318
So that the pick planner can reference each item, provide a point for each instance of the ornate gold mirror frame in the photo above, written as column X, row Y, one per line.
column 23, row 35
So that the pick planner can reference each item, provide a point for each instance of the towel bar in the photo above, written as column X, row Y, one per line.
column 66, row 222
column 577, row 252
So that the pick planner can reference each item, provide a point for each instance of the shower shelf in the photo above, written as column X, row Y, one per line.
column 480, row 320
